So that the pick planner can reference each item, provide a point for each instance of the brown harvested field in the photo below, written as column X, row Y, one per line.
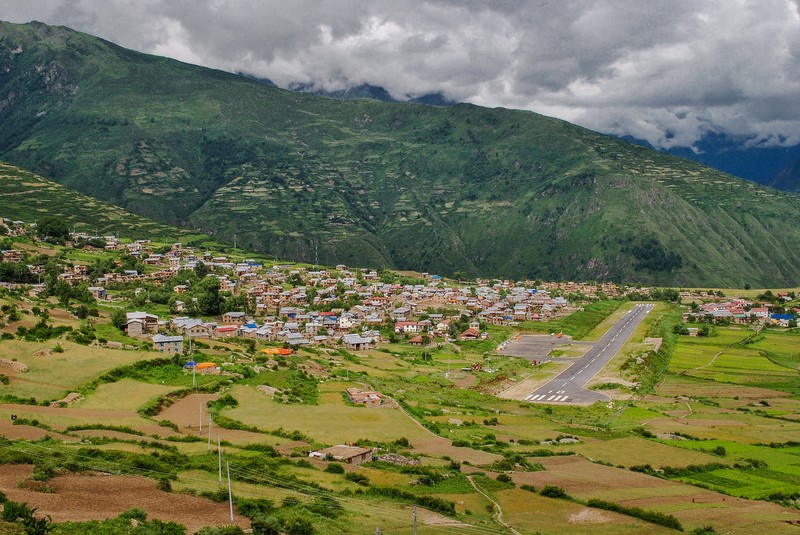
column 28, row 432
column 82, row 497
column 185, row 412
column 694, row 507
column 463, row 380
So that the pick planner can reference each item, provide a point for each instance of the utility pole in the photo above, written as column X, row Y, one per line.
column 230, row 493
column 201, row 413
column 415, row 520
column 219, row 457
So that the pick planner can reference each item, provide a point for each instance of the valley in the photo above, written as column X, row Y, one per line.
column 230, row 308
column 455, row 190
column 692, row 432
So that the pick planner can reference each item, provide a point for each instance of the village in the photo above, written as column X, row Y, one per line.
column 354, row 308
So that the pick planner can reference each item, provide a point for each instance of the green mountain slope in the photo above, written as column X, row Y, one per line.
column 28, row 197
column 463, row 188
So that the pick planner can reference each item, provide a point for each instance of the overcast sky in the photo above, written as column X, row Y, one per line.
column 666, row 71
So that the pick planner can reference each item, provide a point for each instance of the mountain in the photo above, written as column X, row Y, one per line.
column 27, row 197
column 489, row 192
column 788, row 178
column 733, row 156
column 374, row 93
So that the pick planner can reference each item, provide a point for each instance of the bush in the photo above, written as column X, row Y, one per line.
column 25, row 515
column 326, row 506
column 505, row 478
column 134, row 513
column 298, row 525
column 553, row 491
column 705, row 530
column 266, row 525
column 357, row 478
column 290, row 501
column 221, row 530
column 653, row 517
column 334, row 468
column 254, row 507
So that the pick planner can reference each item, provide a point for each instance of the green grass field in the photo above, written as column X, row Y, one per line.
column 53, row 375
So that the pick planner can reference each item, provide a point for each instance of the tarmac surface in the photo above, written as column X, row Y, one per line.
column 567, row 387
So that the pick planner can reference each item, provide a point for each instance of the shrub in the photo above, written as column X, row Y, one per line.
column 290, row 501
column 266, row 525
column 254, row 507
column 653, row 517
column 505, row 478
column 335, row 468
column 553, row 491
column 298, row 525
column 359, row 479
column 326, row 506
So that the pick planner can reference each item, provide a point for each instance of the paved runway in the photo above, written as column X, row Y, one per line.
column 567, row 387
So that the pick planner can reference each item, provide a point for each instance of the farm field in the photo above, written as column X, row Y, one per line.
column 701, row 431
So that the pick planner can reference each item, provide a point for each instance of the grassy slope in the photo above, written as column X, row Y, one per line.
column 28, row 197
column 373, row 183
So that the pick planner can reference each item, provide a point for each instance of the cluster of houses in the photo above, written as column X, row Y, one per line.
column 742, row 311
column 357, row 327
column 298, row 306
column 302, row 313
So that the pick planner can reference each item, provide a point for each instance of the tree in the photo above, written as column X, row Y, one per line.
column 119, row 318
column 52, row 228
column 200, row 269
column 208, row 298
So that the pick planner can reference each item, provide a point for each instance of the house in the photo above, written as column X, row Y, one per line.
column 144, row 323
column 417, row 340
column 192, row 327
column 344, row 454
column 12, row 255
column 410, row 326
column 472, row 333
column 168, row 344
column 234, row 318
column 357, row 342
column 368, row 398
column 98, row 292
column 226, row 331
column 781, row 320
column 400, row 313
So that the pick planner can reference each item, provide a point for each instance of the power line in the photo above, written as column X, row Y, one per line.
column 353, row 504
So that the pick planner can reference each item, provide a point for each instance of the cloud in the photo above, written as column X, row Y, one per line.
column 668, row 72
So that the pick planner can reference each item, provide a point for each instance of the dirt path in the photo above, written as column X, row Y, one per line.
column 498, row 510
column 723, row 350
